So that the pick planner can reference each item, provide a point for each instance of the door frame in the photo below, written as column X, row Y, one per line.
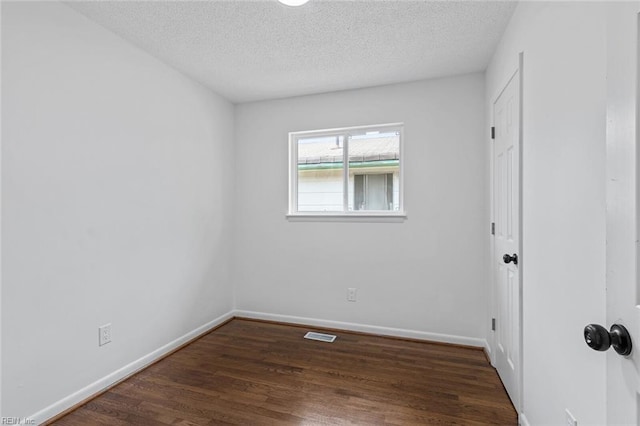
column 1, row 411
column 519, row 73
column 622, row 206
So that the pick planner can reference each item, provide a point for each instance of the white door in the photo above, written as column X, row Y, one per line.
column 622, row 218
column 506, row 161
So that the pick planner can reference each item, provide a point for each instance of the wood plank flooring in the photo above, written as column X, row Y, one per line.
column 257, row 373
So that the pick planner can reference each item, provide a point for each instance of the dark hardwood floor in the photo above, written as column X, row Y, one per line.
column 256, row 373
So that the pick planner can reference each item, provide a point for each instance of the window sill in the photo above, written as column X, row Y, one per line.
column 397, row 217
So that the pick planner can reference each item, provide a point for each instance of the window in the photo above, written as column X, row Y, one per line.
column 353, row 171
column 373, row 191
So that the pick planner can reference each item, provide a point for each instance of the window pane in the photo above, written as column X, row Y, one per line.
column 374, row 166
column 320, row 174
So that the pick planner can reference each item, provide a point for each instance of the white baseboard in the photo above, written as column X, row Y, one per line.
column 490, row 354
column 126, row 371
column 522, row 420
column 364, row 328
column 487, row 348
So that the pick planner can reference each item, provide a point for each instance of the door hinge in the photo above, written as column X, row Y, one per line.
column 493, row 324
column 493, row 132
column 493, row 228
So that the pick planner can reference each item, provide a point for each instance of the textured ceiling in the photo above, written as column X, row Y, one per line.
column 253, row 50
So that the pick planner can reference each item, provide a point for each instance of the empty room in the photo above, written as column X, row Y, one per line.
column 267, row 212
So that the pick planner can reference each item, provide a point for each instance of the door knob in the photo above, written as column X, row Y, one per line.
column 508, row 259
column 599, row 339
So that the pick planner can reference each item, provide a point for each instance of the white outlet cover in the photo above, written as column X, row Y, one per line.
column 104, row 334
column 352, row 294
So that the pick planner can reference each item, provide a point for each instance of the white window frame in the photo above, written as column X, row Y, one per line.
column 363, row 215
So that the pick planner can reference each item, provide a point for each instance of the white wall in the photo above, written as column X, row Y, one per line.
column 427, row 274
column 116, row 193
column 564, row 202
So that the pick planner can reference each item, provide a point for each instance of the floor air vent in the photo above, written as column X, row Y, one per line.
column 329, row 338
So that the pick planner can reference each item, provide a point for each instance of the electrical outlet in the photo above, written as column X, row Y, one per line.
column 104, row 334
column 571, row 421
column 351, row 294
